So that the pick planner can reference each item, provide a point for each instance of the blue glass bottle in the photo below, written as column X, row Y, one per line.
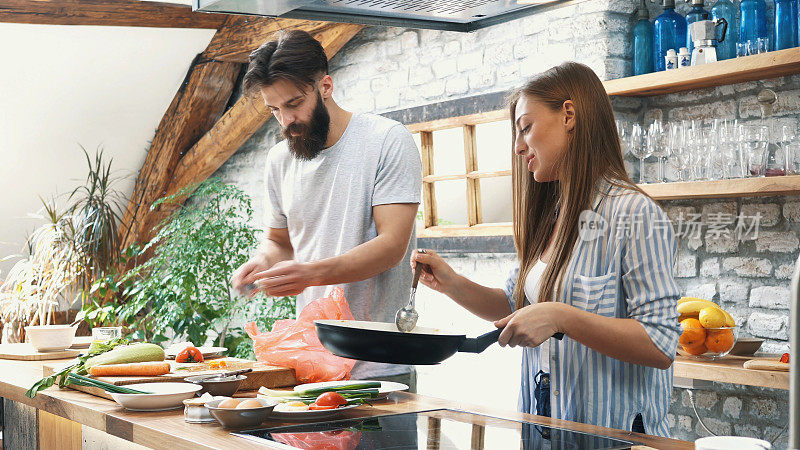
column 669, row 32
column 698, row 12
column 724, row 9
column 752, row 20
column 643, row 41
column 785, row 33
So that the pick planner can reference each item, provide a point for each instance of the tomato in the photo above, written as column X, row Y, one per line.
column 316, row 407
column 189, row 355
column 331, row 399
column 785, row 358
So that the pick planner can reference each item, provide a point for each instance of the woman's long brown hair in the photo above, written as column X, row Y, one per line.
column 593, row 154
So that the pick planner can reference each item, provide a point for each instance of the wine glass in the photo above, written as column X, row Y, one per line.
column 656, row 139
column 787, row 141
column 639, row 148
column 677, row 144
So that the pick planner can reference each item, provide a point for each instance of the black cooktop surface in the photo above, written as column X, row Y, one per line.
column 437, row 429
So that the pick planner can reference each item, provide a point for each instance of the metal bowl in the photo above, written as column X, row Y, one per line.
column 240, row 418
column 222, row 386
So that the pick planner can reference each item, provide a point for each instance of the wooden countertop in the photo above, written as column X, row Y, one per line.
column 730, row 369
column 168, row 428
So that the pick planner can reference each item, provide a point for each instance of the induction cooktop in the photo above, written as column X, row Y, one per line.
column 442, row 429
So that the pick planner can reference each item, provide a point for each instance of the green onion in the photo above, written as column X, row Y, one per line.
column 343, row 387
column 84, row 381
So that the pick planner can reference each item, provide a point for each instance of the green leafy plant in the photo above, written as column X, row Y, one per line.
column 97, row 205
column 183, row 291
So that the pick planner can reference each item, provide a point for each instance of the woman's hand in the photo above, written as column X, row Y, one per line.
column 438, row 276
column 533, row 324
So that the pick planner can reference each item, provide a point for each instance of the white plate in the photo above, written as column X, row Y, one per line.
column 164, row 396
column 309, row 415
column 208, row 352
column 387, row 387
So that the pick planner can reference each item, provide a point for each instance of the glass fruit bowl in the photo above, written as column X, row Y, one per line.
column 716, row 342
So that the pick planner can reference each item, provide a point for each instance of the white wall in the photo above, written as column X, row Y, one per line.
column 61, row 86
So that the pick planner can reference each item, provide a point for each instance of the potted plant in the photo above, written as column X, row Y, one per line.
column 183, row 291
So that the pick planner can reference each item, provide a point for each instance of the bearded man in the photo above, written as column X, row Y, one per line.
column 343, row 191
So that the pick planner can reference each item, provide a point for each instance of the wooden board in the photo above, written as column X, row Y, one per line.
column 262, row 375
column 26, row 352
column 761, row 364
column 730, row 369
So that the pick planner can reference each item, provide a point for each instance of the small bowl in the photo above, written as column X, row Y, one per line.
column 240, row 418
column 746, row 346
column 50, row 338
column 195, row 410
column 731, row 333
column 225, row 386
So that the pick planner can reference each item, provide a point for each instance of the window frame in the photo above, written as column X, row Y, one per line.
column 475, row 225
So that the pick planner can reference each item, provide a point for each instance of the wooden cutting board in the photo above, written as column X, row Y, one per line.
column 262, row 375
column 26, row 352
column 766, row 364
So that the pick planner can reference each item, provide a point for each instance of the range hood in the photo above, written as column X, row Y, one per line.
column 451, row 15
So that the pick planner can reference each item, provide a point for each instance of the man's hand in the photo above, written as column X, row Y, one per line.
column 240, row 280
column 284, row 278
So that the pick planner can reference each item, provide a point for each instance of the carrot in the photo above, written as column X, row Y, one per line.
column 151, row 368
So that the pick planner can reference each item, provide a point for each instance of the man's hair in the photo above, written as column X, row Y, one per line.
column 294, row 56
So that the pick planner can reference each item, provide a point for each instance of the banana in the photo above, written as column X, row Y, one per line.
column 694, row 306
column 729, row 322
column 691, row 306
column 689, row 299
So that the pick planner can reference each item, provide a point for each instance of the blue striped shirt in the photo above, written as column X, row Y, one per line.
column 625, row 272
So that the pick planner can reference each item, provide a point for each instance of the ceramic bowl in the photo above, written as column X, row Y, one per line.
column 746, row 346
column 50, row 338
column 160, row 397
column 225, row 386
column 240, row 418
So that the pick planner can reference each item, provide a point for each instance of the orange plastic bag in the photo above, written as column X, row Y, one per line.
column 294, row 343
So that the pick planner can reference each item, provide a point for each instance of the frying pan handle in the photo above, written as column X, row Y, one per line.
column 482, row 342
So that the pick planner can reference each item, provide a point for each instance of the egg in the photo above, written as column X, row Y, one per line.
column 249, row 403
column 292, row 407
column 228, row 403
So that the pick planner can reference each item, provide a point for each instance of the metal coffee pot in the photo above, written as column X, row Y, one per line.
column 704, row 36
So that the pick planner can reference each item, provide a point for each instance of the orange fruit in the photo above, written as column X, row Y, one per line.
column 693, row 333
column 697, row 349
column 719, row 341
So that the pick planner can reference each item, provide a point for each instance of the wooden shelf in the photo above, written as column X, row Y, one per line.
column 740, row 187
column 738, row 70
column 729, row 370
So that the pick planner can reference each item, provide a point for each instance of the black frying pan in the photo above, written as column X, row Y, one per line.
column 383, row 342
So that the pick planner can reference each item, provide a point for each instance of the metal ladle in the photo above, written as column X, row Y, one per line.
column 406, row 317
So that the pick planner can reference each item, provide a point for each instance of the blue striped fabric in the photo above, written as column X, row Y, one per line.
column 627, row 273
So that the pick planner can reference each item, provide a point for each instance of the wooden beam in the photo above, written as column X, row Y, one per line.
column 126, row 13
column 194, row 109
column 243, row 34
column 239, row 123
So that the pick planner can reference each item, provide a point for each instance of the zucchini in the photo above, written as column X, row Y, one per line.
column 142, row 352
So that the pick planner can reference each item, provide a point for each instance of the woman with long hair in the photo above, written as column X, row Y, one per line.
column 596, row 260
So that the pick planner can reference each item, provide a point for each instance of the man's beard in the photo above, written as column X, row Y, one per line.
column 306, row 141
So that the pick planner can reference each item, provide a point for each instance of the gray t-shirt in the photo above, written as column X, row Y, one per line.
column 326, row 204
